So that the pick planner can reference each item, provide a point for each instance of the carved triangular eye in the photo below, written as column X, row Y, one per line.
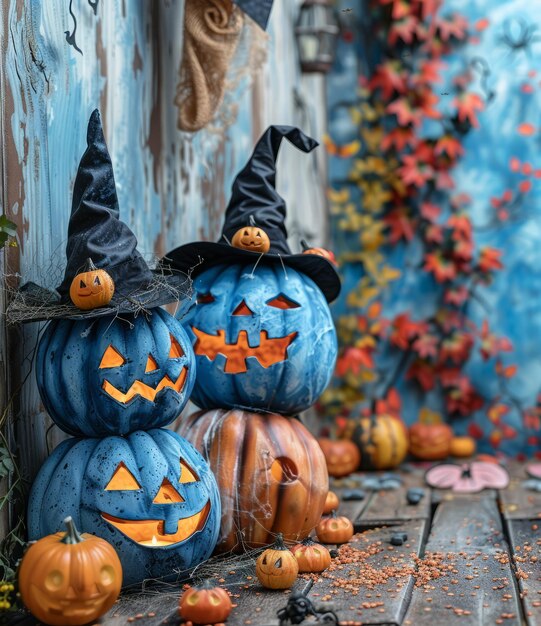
column 122, row 480
column 278, row 563
column 82, row 284
column 151, row 365
column 283, row 302
column 243, row 309
column 167, row 494
column 111, row 358
column 264, row 561
column 175, row 352
column 97, row 280
column 187, row 475
column 258, row 234
column 205, row 298
column 246, row 233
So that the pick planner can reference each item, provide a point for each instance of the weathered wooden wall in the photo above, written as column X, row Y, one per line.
column 172, row 186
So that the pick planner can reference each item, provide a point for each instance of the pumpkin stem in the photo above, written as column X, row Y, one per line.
column 89, row 265
column 308, row 541
column 252, row 221
column 333, row 514
column 279, row 543
column 304, row 244
column 72, row 535
column 206, row 584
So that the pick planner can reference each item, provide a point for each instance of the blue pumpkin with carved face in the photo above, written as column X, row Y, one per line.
column 151, row 495
column 263, row 338
column 112, row 376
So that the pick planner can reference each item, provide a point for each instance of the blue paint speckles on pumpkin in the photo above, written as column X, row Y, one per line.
column 73, row 482
column 288, row 386
column 71, row 382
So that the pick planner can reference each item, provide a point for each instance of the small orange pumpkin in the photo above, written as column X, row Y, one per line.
column 334, row 529
column 430, row 441
column 251, row 238
column 382, row 440
column 331, row 503
column 326, row 254
column 68, row 579
column 462, row 447
column 91, row 288
column 342, row 456
column 276, row 567
column 205, row 604
column 311, row 556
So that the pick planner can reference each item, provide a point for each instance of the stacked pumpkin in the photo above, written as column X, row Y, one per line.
column 265, row 349
column 113, row 369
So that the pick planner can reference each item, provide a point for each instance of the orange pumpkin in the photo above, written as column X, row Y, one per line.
column 251, row 238
column 276, row 567
column 68, row 579
column 331, row 503
column 334, row 529
column 430, row 441
column 342, row 456
column 205, row 604
column 462, row 447
column 311, row 556
column 270, row 471
column 382, row 440
column 91, row 288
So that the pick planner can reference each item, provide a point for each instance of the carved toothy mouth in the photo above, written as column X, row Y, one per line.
column 267, row 353
column 139, row 388
column 149, row 533
column 72, row 607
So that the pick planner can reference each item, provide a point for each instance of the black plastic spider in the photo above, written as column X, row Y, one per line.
column 518, row 38
column 299, row 607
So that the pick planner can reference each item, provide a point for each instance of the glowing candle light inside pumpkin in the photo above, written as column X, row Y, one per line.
column 154, row 542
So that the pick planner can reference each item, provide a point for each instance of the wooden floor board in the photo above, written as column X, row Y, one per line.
column 383, row 603
column 525, row 540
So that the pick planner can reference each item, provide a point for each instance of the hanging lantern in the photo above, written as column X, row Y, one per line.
column 316, row 32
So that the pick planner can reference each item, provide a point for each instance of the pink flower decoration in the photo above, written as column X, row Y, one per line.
column 534, row 470
column 468, row 478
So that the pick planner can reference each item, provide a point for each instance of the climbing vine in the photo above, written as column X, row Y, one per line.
column 398, row 210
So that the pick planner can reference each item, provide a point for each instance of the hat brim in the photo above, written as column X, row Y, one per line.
column 194, row 258
column 33, row 303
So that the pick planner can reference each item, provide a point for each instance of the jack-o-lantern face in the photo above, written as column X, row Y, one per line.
column 251, row 238
column 152, row 533
column 263, row 338
column 114, row 376
column 92, row 289
column 151, row 495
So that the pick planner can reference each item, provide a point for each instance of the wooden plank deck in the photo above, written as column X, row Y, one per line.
column 467, row 560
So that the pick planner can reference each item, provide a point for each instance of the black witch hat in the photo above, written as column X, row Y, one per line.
column 256, row 203
column 99, row 240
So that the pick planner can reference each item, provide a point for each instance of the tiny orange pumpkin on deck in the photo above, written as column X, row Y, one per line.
column 68, row 579
column 205, row 604
column 334, row 529
column 430, row 438
column 311, row 556
column 91, row 288
column 276, row 567
column 331, row 503
column 462, row 447
column 342, row 456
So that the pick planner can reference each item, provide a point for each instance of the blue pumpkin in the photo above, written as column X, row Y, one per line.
column 112, row 376
column 151, row 495
column 264, row 338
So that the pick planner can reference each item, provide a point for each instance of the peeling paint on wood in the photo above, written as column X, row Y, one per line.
column 172, row 187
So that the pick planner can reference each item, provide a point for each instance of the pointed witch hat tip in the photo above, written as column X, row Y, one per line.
column 95, row 129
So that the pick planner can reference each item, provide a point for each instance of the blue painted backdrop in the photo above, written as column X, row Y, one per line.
column 505, row 34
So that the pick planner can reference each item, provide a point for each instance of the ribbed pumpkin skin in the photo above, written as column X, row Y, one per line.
column 430, row 442
column 382, row 440
column 70, row 380
column 288, row 386
column 241, row 448
column 73, row 481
